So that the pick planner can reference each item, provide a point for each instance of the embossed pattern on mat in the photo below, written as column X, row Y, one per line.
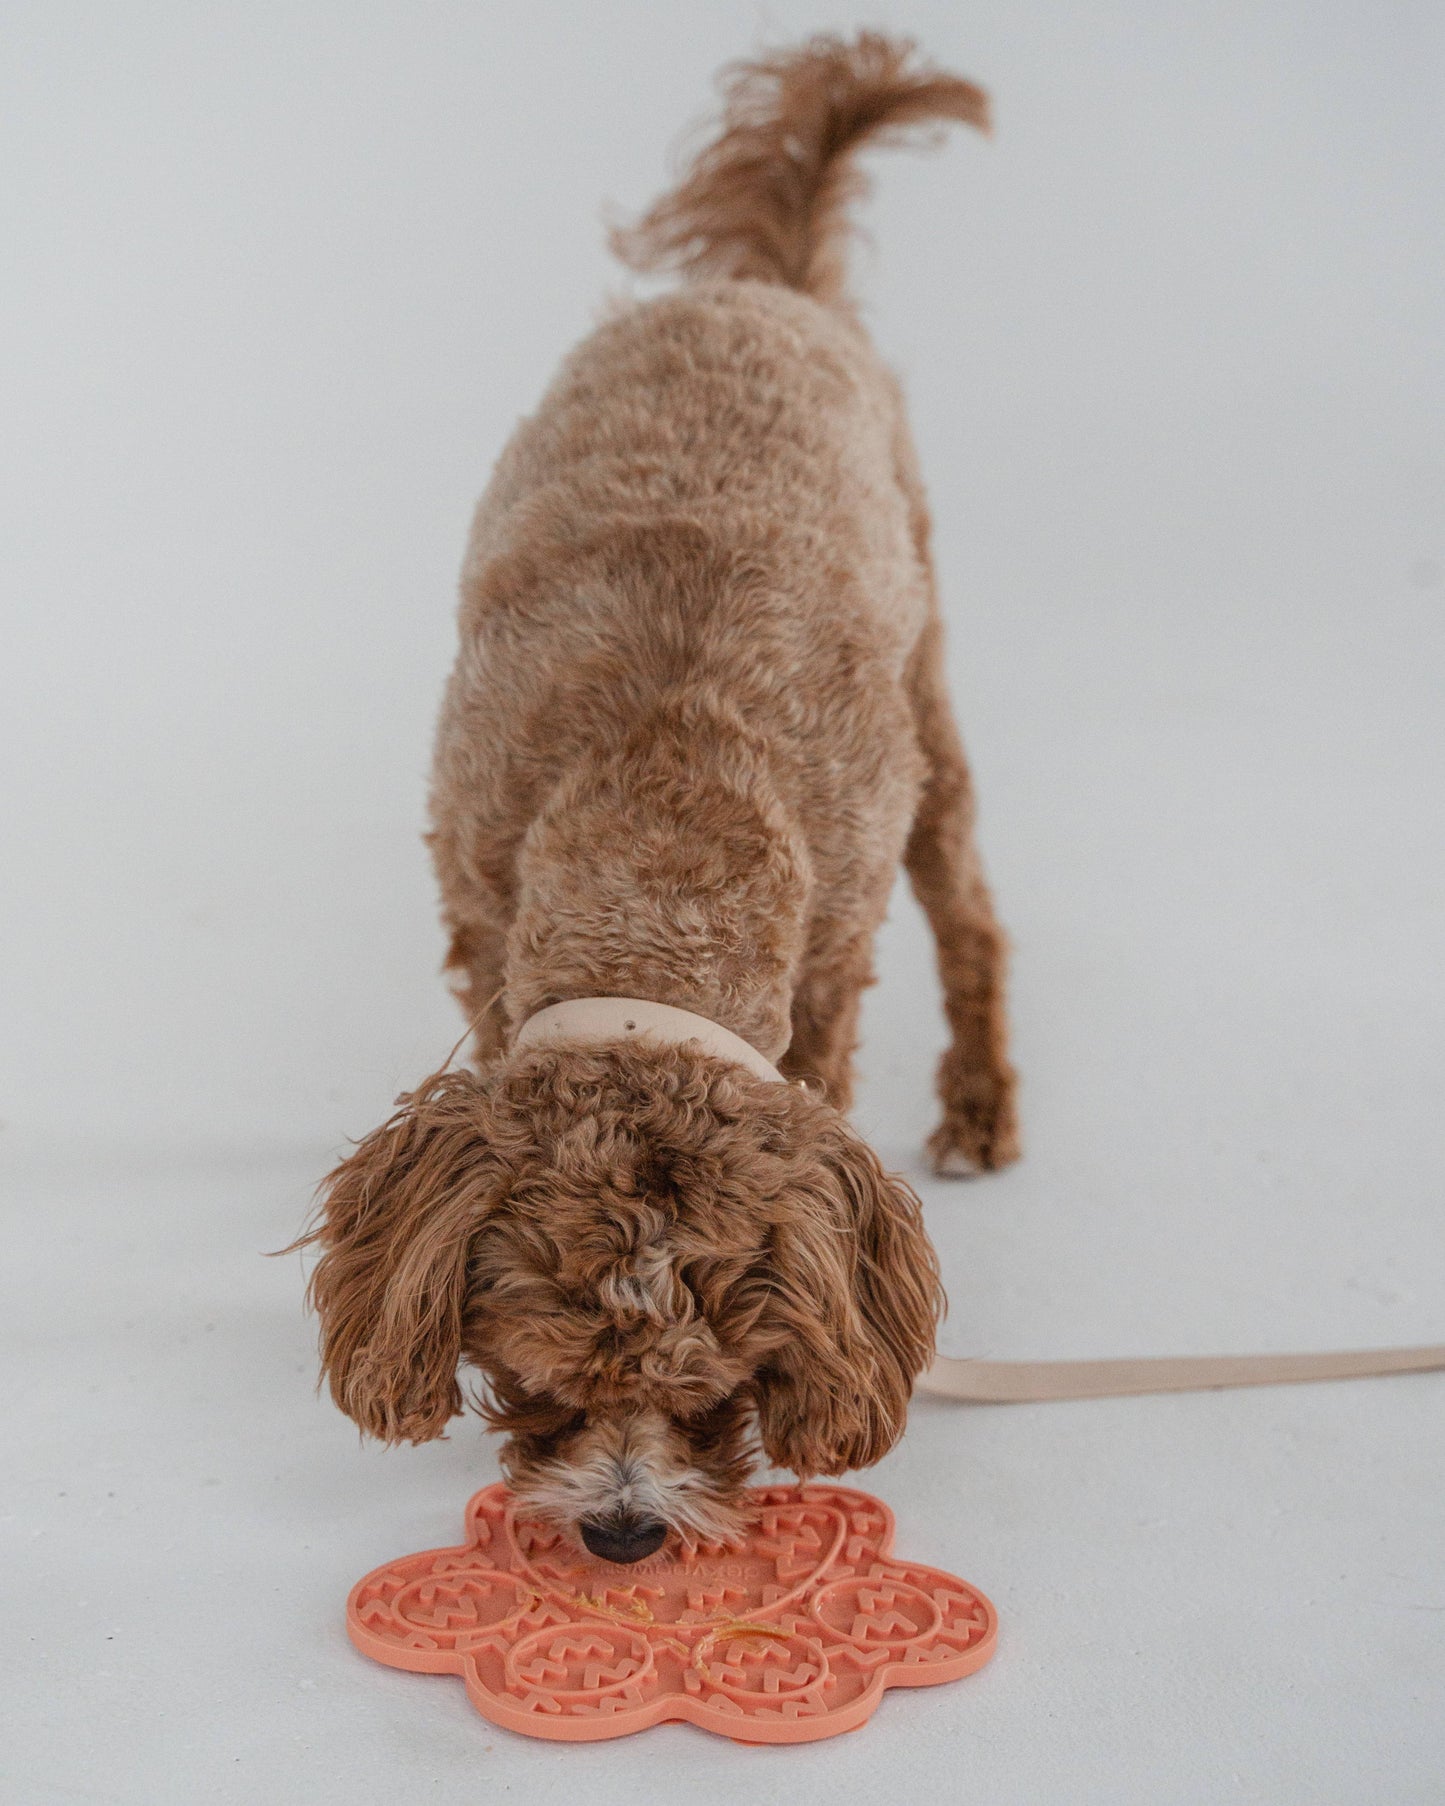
column 792, row 1637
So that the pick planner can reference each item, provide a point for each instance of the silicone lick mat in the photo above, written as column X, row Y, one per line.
column 792, row 1637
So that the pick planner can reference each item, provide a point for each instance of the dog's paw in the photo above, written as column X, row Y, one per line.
column 952, row 1162
column 963, row 1147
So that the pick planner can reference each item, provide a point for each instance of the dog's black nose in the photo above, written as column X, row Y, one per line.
column 623, row 1539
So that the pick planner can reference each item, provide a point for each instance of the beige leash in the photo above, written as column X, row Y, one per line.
column 597, row 1021
column 1034, row 1382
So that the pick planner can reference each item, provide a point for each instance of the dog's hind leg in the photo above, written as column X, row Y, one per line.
column 979, row 1130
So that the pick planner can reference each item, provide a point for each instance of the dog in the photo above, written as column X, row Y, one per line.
column 697, row 718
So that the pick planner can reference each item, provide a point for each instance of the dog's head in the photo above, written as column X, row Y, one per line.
column 660, row 1264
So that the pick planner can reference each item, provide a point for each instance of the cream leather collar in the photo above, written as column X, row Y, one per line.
column 596, row 1021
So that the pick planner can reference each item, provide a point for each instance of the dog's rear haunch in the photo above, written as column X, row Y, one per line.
column 697, row 720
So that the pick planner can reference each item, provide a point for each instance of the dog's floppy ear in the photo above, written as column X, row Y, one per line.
column 853, row 1312
column 399, row 1218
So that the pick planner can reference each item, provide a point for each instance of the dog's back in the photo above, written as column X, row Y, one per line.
column 707, row 549
column 711, row 485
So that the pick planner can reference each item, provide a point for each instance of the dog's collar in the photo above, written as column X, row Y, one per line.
column 595, row 1021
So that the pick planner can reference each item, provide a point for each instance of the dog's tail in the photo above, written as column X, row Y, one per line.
column 767, row 197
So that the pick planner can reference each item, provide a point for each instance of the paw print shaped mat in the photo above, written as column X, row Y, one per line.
column 792, row 1637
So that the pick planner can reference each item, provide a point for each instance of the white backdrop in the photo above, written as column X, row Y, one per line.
column 280, row 280
column 288, row 277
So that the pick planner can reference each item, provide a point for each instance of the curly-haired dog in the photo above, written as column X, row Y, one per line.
column 698, row 717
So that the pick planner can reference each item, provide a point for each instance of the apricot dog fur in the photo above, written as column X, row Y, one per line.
column 697, row 719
